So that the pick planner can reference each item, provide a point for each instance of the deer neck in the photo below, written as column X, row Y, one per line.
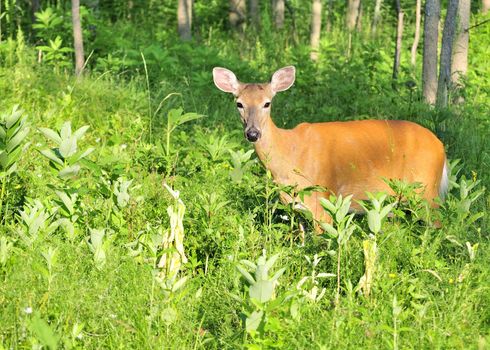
column 274, row 151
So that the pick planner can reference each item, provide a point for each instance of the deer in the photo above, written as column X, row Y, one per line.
column 343, row 157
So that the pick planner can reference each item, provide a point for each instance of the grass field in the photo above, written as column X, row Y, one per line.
column 84, row 227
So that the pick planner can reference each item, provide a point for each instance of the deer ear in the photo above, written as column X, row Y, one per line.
column 283, row 79
column 225, row 80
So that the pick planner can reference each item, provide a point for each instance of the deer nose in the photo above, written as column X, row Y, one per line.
column 252, row 134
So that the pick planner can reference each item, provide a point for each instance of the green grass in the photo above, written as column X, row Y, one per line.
column 429, row 291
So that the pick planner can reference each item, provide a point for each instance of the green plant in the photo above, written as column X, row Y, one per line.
column 65, row 157
column 341, row 228
column 262, row 305
column 55, row 53
column 48, row 23
column 241, row 162
column 99, row 243
column 13, row 131
column 308, row 285
column 175, row 118
column 35, row 222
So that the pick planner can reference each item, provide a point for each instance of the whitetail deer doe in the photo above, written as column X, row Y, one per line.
column 352, row 157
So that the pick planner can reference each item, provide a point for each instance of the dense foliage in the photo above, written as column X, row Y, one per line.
column 87, row 223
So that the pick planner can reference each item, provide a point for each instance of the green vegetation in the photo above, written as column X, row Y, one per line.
column 90, row 253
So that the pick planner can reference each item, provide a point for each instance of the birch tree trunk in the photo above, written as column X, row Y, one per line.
column 278, row 11
column 459, row 65
column 34, row 8
column 352, row 14
column 485, row 6
column 376, row 17
column 316, row 25
column 184, row 19
column 399, row 35
column 417, row 33
column 237, row 15
column 446, row 54
column 431, row 36
column 77, row 36
column 329, row 16
column 255, row 13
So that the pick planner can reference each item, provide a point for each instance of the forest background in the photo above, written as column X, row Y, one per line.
column 135, row 215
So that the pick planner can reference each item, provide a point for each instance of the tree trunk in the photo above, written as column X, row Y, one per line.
column 485, row 6
column 77, row 36
column 431, row 36
column 34, row 8
column 377, row 16
column 459, row 65
column 255, row 13
column 446, row 53
column 237, row 16
column 278, row 10
column 399, row 35
column 417, row 32
column 316, row 25
column 329, row 15
column 184, row 19
column 352, row 14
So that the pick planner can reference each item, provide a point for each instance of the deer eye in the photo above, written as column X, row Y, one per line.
column 239, row 105
column 267, row 105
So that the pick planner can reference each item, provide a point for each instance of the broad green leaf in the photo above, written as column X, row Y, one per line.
column 272, row 260
column 3, row 159
column 17, row 139
column 69, row 171
column 253, row 321
column 374, row 221
column 172, row 117
column 13, row 117
column 68, row 201
column 68, row 147
column 262, row 291
column 13, row 157
column 246, row 274
column 51, row 134
column 80, row 155
column 179, row 284
column 327, row 205
column 325, row 275
column 80, row 132
column 188, row 117
column 278, row 274
column 65, row 131
column 331, row 231
column 248, row 264
column 51, row 155
column 44, row 333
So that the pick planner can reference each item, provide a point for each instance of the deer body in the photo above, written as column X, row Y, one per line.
column 346, row 158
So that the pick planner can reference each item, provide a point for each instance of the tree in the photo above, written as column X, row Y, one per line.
column 446, row 53
column 278, row 11
column 485, row 6
column 353, row 10
column 77, row 36
column 459, row 64
column 316, row 25
column 377, row 16
column 35, row 6
column 184, row 19
column 329, row 15
column 255, row 13
column 399, row 34
column 417, row 32
column 237, row 15
column 431, row 35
